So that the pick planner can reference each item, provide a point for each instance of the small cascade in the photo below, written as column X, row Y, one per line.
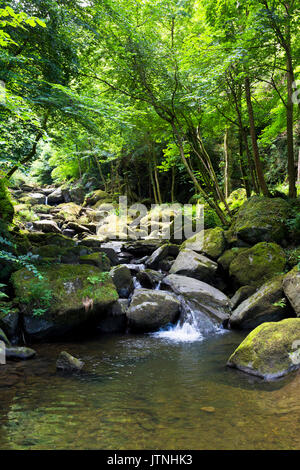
column 190, row 327
column 46, row 201
column 136, row 283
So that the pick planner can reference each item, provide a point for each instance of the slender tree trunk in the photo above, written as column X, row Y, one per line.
column 227, row 168
column 258, row 166
column 212, row 204
column 290, row 130
column 242, row 166
column 173, row 183
column 33, row 150
column 153, row 183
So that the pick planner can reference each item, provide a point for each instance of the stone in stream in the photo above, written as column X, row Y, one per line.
column 242, row 294
column 46, row 226
column 36, row 198
column 258, row 264
column 141, row 247
column 100, row 260
column 56, row 197
column 76, row 295
column 270, row 351
column 192, row 264
column 160, row 254
column 228, row 256
column 291, row 287
column 210, row 306
column 19, row 353
column 210, row 242
column 122, row 279
column 151, row 310
column 68, row 363
column 149, row 278
column 264, row 305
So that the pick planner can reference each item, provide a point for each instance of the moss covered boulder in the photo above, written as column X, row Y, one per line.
column 122, row 279
column 258, row 264
column 228, row 256
column 267, row 304
column 6, row 207
column 67, row 297
column 291, row 287
column 262, row 219
column 9, row 319
column 100, row 260
column 270, row 351
column 211, row 242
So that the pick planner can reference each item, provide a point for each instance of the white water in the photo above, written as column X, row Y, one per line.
column 46, row 200
column 189, row 328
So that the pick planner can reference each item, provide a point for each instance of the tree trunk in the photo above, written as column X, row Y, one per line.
column 33, row 150
column 227, row 168
column 258, row 166
column 290, row 130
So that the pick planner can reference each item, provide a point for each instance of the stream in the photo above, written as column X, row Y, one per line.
column 168, row 390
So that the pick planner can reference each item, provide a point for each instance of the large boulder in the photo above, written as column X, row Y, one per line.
column 291, row 287
column 68, row 210
column 270, row 351
column 100, row 260
column 151, row 310
column 96, row 196
column 56, row 197
column 160, row 254
column 228, row 256
column 149, row 278
column 192, row 264
column 46, row 226
column 209, row 305
column 141, row 247
column 35, row 198
column 122, row 279
column 67, row 297
column 262, row 219
column 242, row 294
column 256, row 265
column 210, row 242
column 267, row 304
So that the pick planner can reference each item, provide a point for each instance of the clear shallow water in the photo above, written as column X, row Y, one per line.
column 144, row 392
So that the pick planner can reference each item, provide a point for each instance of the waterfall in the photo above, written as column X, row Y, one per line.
column 46, row 200
column 190, row 327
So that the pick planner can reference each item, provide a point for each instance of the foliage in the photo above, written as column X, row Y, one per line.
column 39, row 297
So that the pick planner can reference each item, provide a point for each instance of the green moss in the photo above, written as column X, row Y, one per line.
column 6, row 206
column 262, row 219
column 210, row 242
column 51, row 239
column 268, row 351
column 100, row 260
column 228, row 256
column 256, row 265
column 69, row 285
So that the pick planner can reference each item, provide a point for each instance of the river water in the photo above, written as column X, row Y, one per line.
column 163, row 391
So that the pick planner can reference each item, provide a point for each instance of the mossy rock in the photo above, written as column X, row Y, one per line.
column 258, row 264
column 262, row 219
column 291, row 287
column 41, row 209
column 6, row 206
column 100, row 260
column 50, row 239
column 92, row 198
column 70, row 296
column 228, row 256
column 270, row 351
column 69, row 211
column 211, row 242
column 264, row 305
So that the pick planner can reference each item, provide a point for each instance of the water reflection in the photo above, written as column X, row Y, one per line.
column 141, row 392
